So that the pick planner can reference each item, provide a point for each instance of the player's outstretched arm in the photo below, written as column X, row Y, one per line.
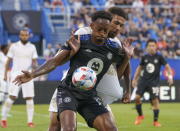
column 47, row 67
column 7, row 67
column 136, row 76
column 170, row 75
column 127, row 79
column 60, row 58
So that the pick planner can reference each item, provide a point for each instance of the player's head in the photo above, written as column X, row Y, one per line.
column 100, row 25
column 118, row 21
column 4, row 49
column 24, row 35
column 151, row 46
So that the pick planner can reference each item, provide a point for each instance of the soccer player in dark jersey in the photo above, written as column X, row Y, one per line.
column 109, row 84
column 97, row 51
column 147, row 77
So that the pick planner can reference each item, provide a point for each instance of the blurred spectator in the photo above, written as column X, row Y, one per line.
column 137, row 4
column 77, row 4
column 49, row 51
column 109, row 3
column 26, row 26
column 56, row 5
column 156, row 22
column 57, row 47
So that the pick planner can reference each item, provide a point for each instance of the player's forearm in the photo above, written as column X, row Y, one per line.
column 168, row 68
column 137, row 73
column 7, row 67
column 44, row 69
column 62, row 57
column 127, row 79
column 122, row 67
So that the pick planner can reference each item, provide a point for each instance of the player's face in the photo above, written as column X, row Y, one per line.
column 117, row 26
column 100, row 30
column 6, row 50
column 24, row 36
column 152, row 48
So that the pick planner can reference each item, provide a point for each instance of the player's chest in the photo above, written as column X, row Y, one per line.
column 151, row 64
column 23, row 51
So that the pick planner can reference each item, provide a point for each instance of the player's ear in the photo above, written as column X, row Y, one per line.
column 92, row 26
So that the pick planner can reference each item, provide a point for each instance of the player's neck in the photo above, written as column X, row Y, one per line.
column 152, row 53
column 95, row 41
column 24, row 42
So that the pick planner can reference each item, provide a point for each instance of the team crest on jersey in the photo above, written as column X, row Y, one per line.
column 67, row 99
column 109, row 55
column 150, row 68
column 156, row 61
column 96, row 64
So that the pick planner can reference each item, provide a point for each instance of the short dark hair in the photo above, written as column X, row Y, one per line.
column 102, row 15
column 118, row 11
column 3, row 47
column 151, row 40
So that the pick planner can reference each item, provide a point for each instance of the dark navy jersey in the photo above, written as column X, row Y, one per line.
column 151, row 65
column 97, row 57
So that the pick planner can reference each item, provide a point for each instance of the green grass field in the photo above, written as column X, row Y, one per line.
column 125, row 116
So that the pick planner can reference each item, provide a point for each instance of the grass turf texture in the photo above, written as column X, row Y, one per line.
column 124, row 114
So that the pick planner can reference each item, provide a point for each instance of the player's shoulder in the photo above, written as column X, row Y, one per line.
column 116, row 40
column 83, row 31
column 115, row 43
column 159, row 54
column 30, row 45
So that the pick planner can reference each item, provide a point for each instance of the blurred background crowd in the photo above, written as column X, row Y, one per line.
column 155, row 19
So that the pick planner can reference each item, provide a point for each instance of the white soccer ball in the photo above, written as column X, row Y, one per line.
column 84, row 78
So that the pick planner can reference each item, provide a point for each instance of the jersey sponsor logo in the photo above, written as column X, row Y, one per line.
column 150, row 68
column 96, row 64
column 109, row 55
column 88, row 50
column 67, row 99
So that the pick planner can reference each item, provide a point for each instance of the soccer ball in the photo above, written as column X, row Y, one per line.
column 84, row 78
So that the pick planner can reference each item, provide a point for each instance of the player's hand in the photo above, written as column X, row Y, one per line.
column 74, row 44
column 170, row 81
column 25, row 77
column 126, row 98
column 134, row 83
column 128, row 48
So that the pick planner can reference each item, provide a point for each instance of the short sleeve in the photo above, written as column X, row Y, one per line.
column 142, row 61
column 162, row 60
column 11, row 51
column 35, row 56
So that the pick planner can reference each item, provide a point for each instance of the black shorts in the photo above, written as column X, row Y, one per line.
column 89, row 108
column 143, row 87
